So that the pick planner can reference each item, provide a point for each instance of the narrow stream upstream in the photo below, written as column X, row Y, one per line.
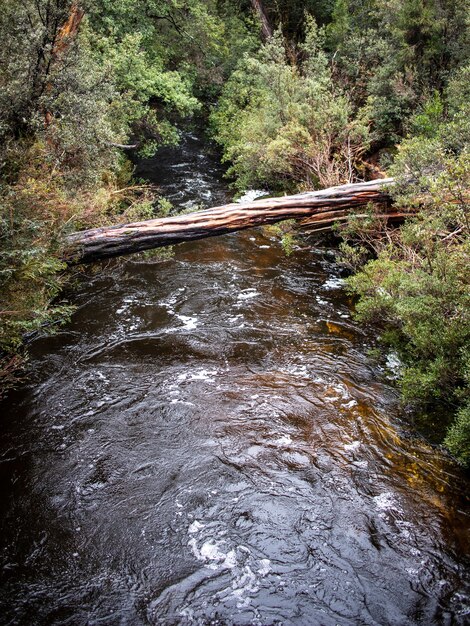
column 207, row 442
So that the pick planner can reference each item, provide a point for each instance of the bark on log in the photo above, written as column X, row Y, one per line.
column 323, row 207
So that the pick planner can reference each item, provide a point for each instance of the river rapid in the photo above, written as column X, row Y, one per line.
column 208, row 442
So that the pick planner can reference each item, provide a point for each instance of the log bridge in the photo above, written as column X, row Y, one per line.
column 315, row 209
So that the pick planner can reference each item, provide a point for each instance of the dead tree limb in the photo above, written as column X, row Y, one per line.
column 324, row 207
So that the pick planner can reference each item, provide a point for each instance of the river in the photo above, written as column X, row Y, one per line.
column 208, row 442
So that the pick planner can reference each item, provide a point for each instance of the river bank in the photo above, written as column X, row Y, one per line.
column 208, row 441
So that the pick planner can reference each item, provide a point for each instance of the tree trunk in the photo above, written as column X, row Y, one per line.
column 316, row 208
column 61, row 41
column 266, row 28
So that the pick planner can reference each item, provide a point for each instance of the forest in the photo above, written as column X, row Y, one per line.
column 299, row 96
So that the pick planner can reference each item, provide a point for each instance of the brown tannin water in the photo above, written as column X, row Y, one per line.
column 207, row 442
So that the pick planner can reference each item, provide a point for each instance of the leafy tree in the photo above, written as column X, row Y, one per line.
column 393, row 54
column 77, row 79
column 285, row 125
column 289, row 15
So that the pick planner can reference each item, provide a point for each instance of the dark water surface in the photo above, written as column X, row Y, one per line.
column 208, row 443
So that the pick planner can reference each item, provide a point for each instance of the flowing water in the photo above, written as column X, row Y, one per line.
column 207, row 442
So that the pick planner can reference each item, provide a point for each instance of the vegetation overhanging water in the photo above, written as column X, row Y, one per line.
column 299, row 95
column 207, row 442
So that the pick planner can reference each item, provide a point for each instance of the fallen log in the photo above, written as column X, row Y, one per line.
column 325, row 207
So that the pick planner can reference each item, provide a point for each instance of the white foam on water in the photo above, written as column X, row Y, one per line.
column 217, row 554
column 341, row 390
column 298, row 369
column 333, row 282
column 244, row 584
column 250, row 195
column 246, row 294
column 195, row 527
column 406, row 529
column 212, row 554
column 285, row 440
column 387, row 502
column 189, row 323
column 265, row 567
column 361, row 464
column 176, row 401
column 210, row 551
column 201, row 374
column 235, row 318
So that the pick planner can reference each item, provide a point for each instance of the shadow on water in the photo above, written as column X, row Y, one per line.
column 208, row 443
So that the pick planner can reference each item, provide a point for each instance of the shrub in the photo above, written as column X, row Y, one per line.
column 418, row 286
column 283, row 124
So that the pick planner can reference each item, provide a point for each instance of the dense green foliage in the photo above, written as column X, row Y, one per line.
column 77, row 80
column 342, row 90
column 391, row 55
column 285, row 125
column 418, row 285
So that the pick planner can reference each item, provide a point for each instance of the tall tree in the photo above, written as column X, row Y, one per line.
column 266, row 27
